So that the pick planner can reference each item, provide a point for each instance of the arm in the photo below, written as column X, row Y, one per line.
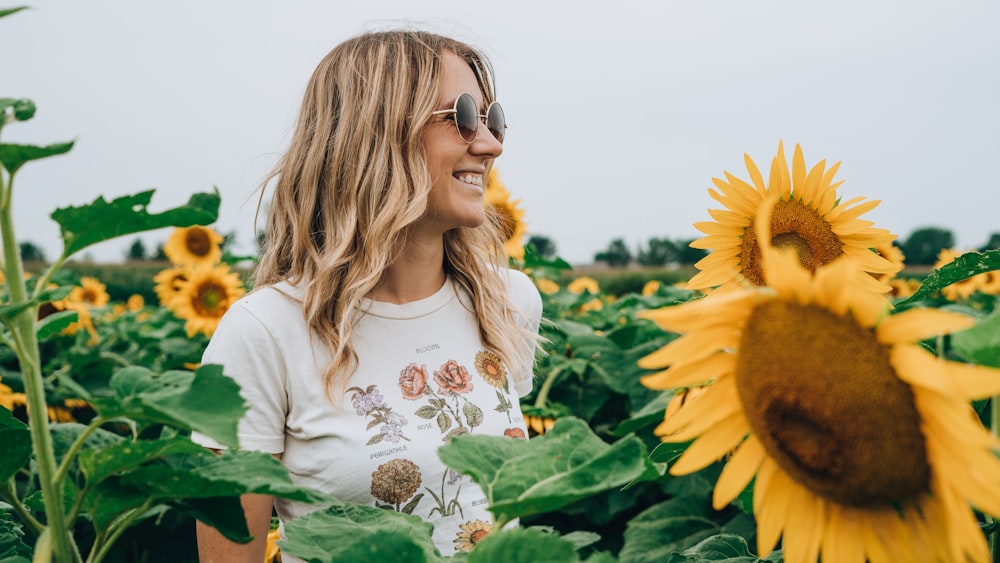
column 214, row 548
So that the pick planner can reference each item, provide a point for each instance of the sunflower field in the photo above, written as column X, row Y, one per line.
column 793, row 401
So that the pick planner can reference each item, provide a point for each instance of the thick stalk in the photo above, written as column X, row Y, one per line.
column 995, row 427
column 28, row 356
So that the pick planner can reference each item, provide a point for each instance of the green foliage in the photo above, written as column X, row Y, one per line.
column 616, row 255
column 962, row 268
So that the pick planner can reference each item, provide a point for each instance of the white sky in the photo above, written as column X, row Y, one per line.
column 621, row 112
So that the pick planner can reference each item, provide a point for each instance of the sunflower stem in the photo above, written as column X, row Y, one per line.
column 29, row 360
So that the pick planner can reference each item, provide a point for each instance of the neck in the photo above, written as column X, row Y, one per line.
column 417, row 272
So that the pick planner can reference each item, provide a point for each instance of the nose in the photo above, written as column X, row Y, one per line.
column 485, row 144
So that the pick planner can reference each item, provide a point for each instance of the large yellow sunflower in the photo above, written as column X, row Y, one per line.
column 809, row 218
column 205, row 297
column 508, row 217
column 863, row 443
column 194, row 246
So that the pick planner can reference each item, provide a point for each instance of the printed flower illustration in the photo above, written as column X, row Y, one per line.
column 472, row 533
column 452, row 378
column 394, row 482
column 447, row 508
column 491, row 367
column 413, row 381
column 515, row 433
column 369, row 402
column 454, row 414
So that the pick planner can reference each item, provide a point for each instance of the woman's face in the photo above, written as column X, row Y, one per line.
column 457, row 168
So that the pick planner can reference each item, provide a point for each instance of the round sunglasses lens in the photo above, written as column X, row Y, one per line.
column 496, row 122
column 467, row 117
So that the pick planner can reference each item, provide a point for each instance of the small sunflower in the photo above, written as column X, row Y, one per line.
column 194, row 246
column 508, row 217
column 547, row 286
column 863, row 444
column 809, row 217
column 584, row 283
column 472, row 533
column 169, row 283
column 7, row 397
column 651, row 287
column 90, row 291
column 491, row 367
column 135, row 303
column 895, row 256
column 960, row 289
column 903, row 287
column 205, row 297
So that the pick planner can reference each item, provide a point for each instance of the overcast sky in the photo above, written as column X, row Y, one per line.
column 620, row 113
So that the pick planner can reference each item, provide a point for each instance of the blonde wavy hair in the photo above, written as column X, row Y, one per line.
column 355, row 177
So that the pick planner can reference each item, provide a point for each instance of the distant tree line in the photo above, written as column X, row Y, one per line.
column 921, row 248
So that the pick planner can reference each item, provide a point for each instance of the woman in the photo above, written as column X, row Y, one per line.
column 382, row 324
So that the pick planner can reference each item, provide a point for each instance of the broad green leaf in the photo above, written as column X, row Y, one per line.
column 12, row 157
column 9, row 11
column 225, row 514
column 651, row 413
column 22, row 109
column 567, row 464
column 99, row 464
column 203, row 474
column 523, row 545
column 962, row 268
column 110, row 499
column 728, row 548
column 670, row 526
column 981, row 343
column 15, row 445
column 12, row 546
column 345, row 531
column 205, row 401
column 101, row 220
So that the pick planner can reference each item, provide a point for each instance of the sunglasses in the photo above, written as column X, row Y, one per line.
column 467, row 118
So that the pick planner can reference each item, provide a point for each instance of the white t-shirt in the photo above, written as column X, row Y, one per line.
column 423, row 376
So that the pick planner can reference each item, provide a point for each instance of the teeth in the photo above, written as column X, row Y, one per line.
column 473, row 179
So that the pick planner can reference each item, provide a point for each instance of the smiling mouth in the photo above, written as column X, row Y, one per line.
column 474, row 179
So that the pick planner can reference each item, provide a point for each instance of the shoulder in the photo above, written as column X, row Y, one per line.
column 522, row 292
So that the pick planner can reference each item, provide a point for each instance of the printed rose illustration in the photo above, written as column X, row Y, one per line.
column 452, row 378
column 454, row 413
column 394, row 482
column 515, row 433
column 413, row 381
column 370, row 403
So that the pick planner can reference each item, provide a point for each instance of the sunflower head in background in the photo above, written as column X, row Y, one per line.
column 506, row 215
column 961, row 289
column 808, row 218
column 169, row 283
column 205, row 297
column 194, row 246
column 863, row 444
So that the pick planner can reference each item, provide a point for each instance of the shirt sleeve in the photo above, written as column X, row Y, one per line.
column 251, row 356
column 528, row 304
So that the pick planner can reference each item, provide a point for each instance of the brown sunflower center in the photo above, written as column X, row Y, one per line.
column 198, row 242
column 820, row 394
column 505, row 222
column 210, row 298
column 793, row 225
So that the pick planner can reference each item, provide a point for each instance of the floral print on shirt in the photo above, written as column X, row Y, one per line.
column 369, row 402
column 454, row 413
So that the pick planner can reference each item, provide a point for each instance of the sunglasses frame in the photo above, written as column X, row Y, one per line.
column 480, row 118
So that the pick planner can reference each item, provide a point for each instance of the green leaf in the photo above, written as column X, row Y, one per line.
column 670, row 526
column 8, row 312
column 12, row 157
column 727, row 548
column 12, row 547
column 100, row 221
column 9, row 11
column 568, row 463
column 55, row 323
column 15, row 445
column 962, row 268
column 355, row 532
column 981, row 343
column 99, row 464
column 523, row 545
column 21, row 109
column 205, row 401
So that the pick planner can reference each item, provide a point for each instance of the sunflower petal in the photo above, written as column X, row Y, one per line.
column 914, row 325
column 738, row 472
column 691, row 373
column 712, row 445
